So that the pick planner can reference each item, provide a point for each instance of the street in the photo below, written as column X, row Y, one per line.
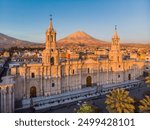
column 136, row 93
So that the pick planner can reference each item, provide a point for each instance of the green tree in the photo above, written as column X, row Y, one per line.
column 87, row 108
column 119, row 101
column 145, row 104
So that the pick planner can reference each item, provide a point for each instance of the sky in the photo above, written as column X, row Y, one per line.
column 29, row 19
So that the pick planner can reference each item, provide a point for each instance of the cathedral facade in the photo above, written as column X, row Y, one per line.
column 52, row 76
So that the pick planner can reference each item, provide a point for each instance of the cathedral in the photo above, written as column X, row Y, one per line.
column 53, row 76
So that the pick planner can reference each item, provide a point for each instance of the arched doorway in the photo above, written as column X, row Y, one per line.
column 89, row 81
column 129, row 76
column 32, row 91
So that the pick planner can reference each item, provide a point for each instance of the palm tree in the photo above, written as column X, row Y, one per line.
column 87, row 108
column 148, row 80
column 145, row 104
column 119, row 101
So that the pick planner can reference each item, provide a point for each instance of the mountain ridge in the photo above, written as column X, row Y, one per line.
column 8, row 42
column 80, row 37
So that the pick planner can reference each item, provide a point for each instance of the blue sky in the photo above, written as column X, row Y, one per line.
column 29, row 19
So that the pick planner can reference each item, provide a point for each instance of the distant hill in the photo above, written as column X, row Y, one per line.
column 80, row 39
column 76, row 39
column 7, row 42
column 138, row 45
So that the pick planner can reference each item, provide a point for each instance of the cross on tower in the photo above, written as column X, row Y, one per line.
column 115, row 27
column 50, row 16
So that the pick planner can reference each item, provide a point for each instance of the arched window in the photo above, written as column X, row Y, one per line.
column 48, row 37
column 32, row 75
column 73, row 71
column 88, row 70
column 53, row 84
column 51, row 38
column 52, row 60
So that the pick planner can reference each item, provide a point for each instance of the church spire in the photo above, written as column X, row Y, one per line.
column 51, row 23
column 115, row 39
column 115, row 34
column 50, row 54
column 115, row 53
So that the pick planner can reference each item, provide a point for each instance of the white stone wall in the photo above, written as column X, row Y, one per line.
column 7, row 95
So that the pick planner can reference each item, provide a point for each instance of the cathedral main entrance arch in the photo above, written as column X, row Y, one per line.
column 32, row 91
column 89, row 81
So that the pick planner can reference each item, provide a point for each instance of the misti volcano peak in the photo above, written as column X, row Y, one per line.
column 79, row 34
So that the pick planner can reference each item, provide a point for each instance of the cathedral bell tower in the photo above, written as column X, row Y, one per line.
column 50, row 54
column 115, row 52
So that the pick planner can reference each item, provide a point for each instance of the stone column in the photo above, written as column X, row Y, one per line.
column 107, row 72
column 57, row 79
column 67, row 77
column 81, row 76
column 98, row 75
column 24, row 86
column 10, row 99
column 4, row 100
column 41, row 86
